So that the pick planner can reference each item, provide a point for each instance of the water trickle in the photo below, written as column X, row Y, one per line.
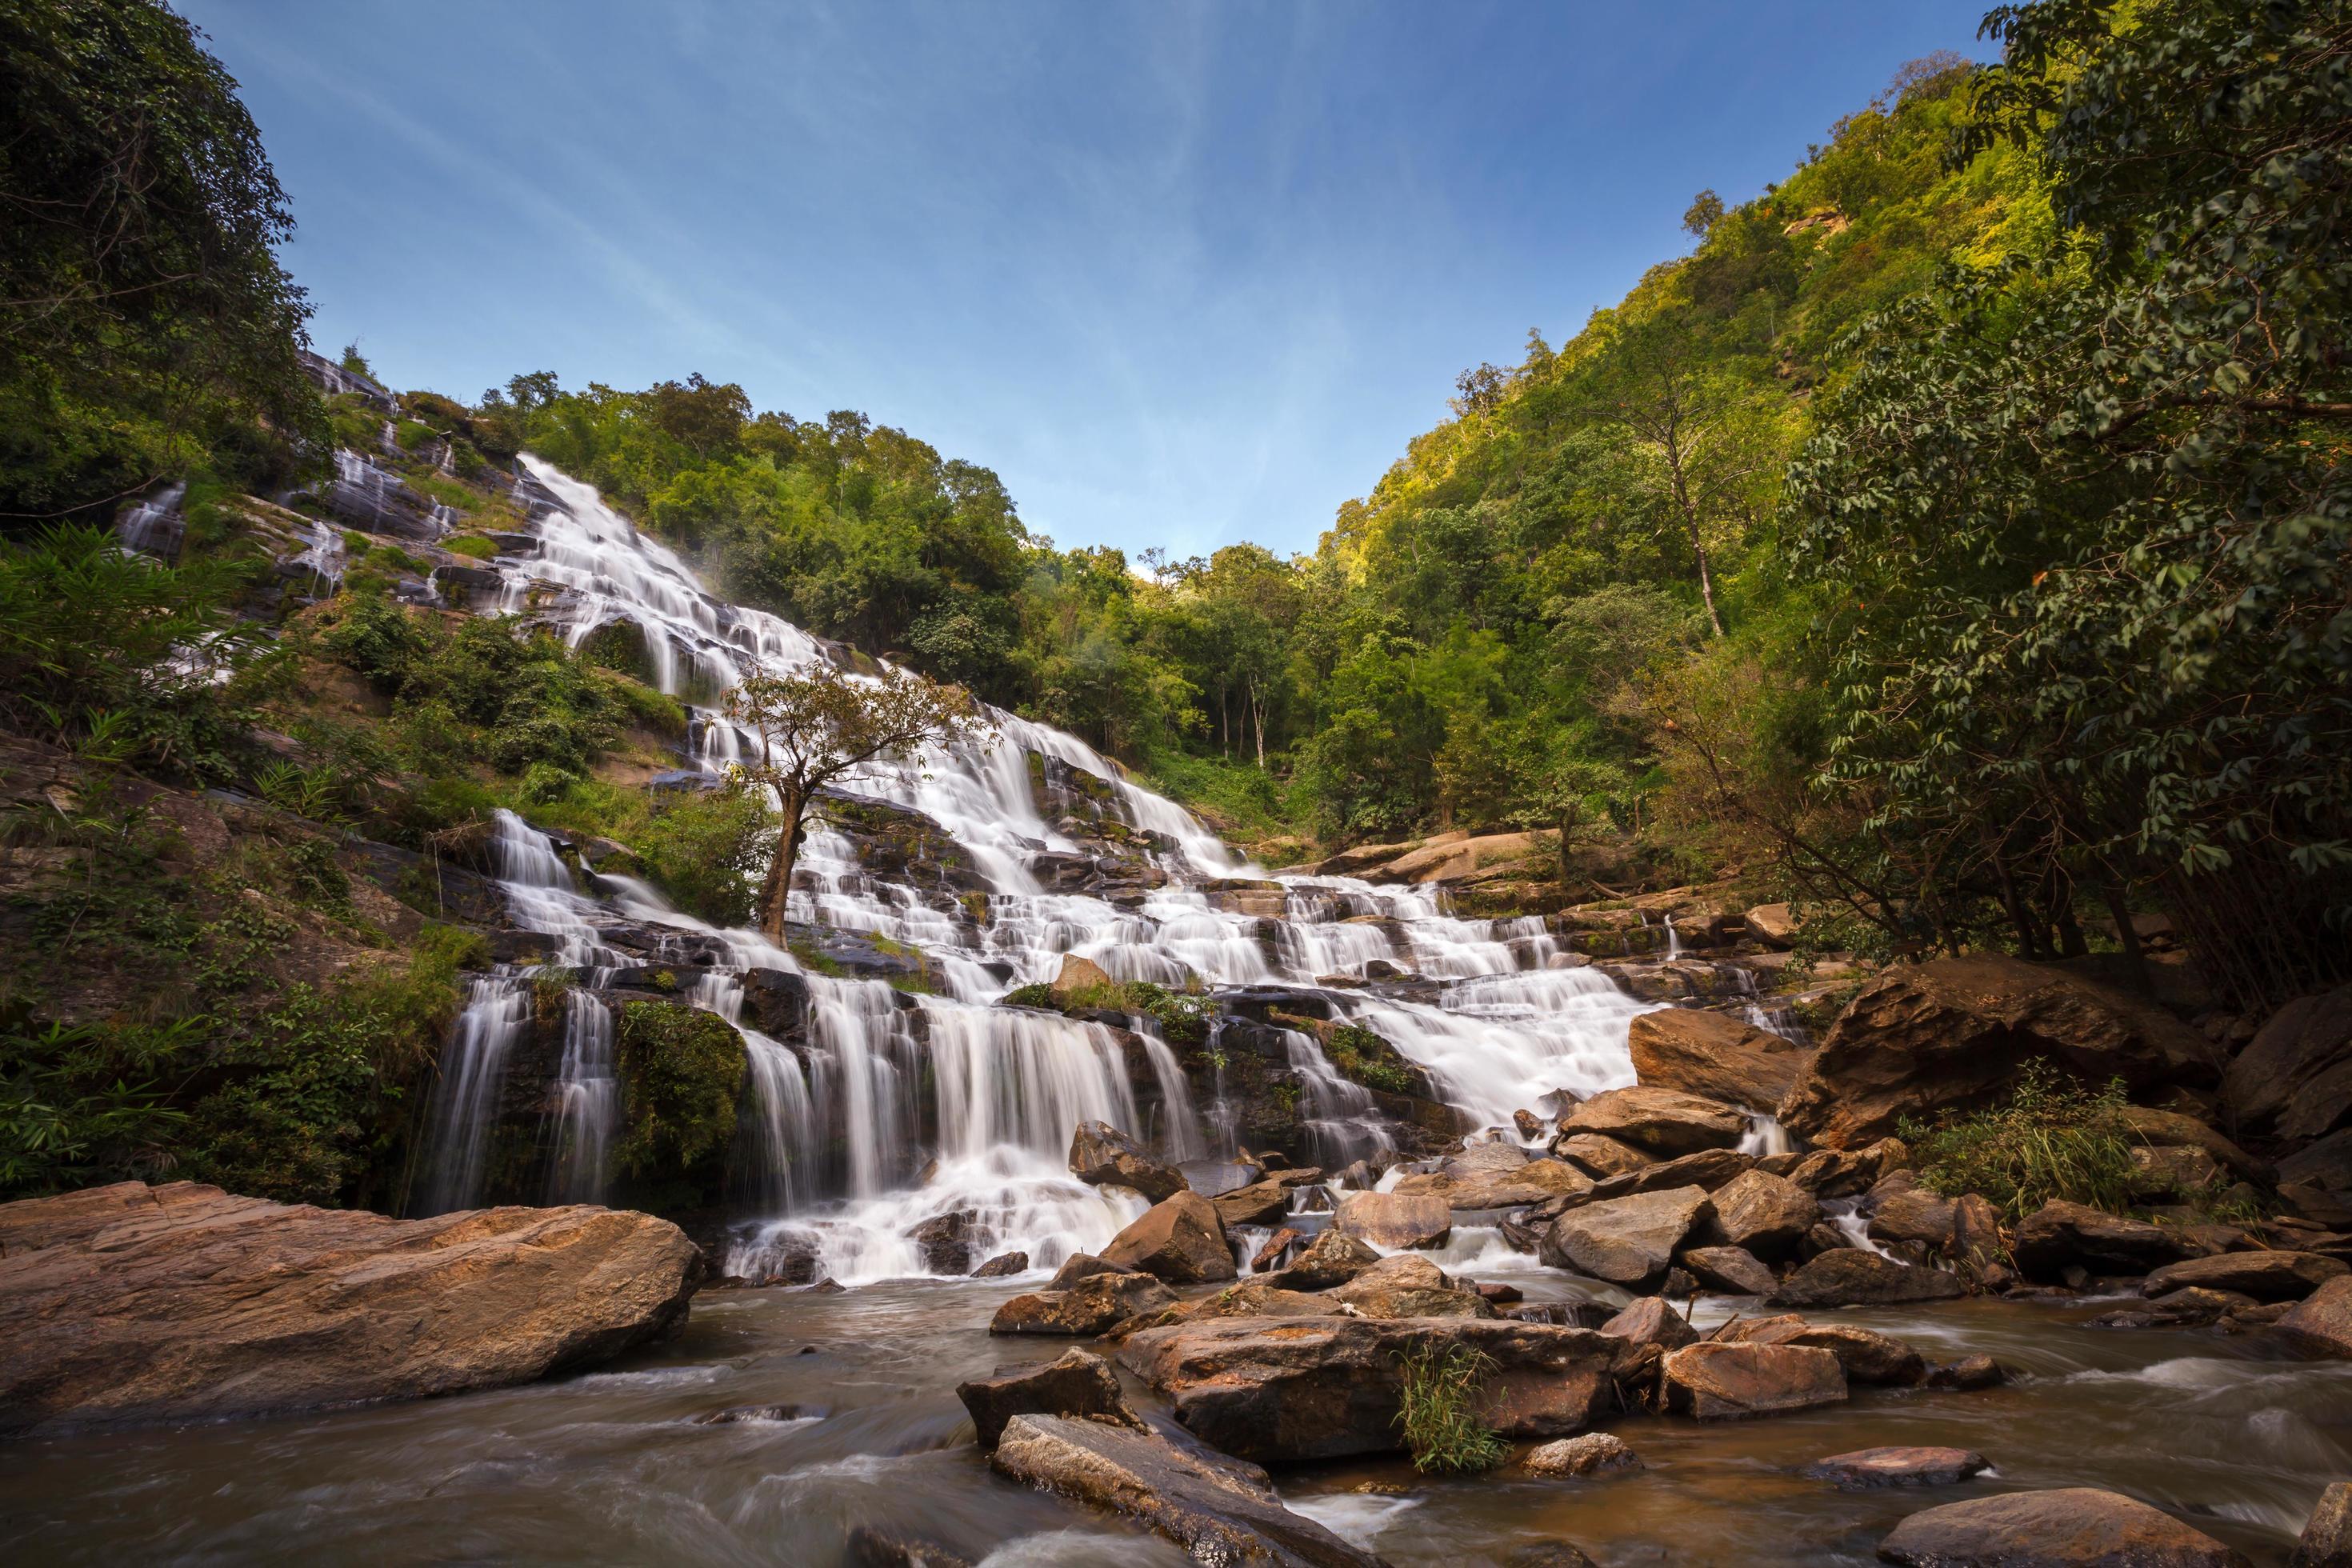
column 587, row 1104
column 465, row 1099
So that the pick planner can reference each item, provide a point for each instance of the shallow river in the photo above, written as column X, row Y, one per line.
column 611, row 1467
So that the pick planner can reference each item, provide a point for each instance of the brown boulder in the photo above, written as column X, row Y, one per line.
column 1395, row 1220
column 1180, row 1240
column 1333, row 1258
column 1080, row 975
column 1249, row 1299
column 1660, row 1121
column 1627, row 1241
column 1850, row 1276
column 2322, row 1323
column 1866, row 1468
column 1716, row 1057
column 1003, row 1264
column 1599, row 1155
column 1868, row 1356
column 1718, row 1382
column 1707, row 1169
column 1531, row 1181
column 2326, row 1541
column 181, row 1302
column 1903, row 1211
column 1771, row 925
column 1951, row 1034
column 2265, row 1276
column 1260, row 1202
column 1407, row 1286
column 1967, row 1375
column 2294, row 1079
column 1731, row 1269
column 1092, row 1305
column 2172, row 1129
column 1592, row 1453
column 1765, row 1215
column 1650, row 1322
column 1219, row 1510
column 2075, row 1527
column 1102, row 1155
column 1288, row 1389
column 2059, row 1234
column 1077, row 1385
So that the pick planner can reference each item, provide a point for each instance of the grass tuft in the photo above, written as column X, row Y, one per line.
column 1439, row 1413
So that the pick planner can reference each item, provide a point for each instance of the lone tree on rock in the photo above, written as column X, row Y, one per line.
column 816, row 726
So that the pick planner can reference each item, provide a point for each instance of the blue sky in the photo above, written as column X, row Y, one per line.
column 1182, row 274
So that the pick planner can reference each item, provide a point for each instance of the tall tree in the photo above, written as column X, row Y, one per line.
column 815, row 727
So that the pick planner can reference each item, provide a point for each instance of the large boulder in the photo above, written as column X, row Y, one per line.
column 1078, row 975
column 1594, row 1454
column 1283, row 1389
column 2059, row 1234
column 1716, row 1057
column 1093, row 1304
column 1102, row 1155
column 1866, row 1355
column 1661, row 1123
column 1263, row 1202
column 1707, row 1169
column 1771, row 925
column 1333, row 1258
column 1900, row 1210
column 181, row 1302
column 2075, row 1527
column 2326, row 1540
column 1408, row 1286
column 1850, row 1276
column 1395, row 1219
column 1180, row 1240
column 1717, row 1382
column 1951, row 1034
column 2321, row 1324
column 1732, row 1269
column 1627, row 1241
column 1077, row 1385
column 2265, row 1276
column 1219, row 1510
column 2294, row 1079
column 2172, row 1129
column 1530, row 1182
column 1650, row 1322
column 1599, row 1155
column 1761, row 1213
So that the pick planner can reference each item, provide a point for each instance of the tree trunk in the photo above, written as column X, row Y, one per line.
column 778, row 887
column 1706, row 581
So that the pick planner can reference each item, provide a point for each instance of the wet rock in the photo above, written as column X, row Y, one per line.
column 2059, row 1234
column 1707, row 1169
column 1594, row 1453
column 1395, row 1220
column 1952, row 1034
column 1260, row 1202
column 1288, row 1389
column 1102, row 1155
column 1650, row 1322
column 1495, row 1293
column 1530, row 1182
column 760, row 1413
column 775, row 1000
column 1867, row 1467
column 1853, row 1278
column 1334, row 1257
column 1280, row 1248
column 870, row 1546
column 2074, row 1527
column 1716, row 1057
column 1180, row 1240
column 2294, row 1079
column 2171, row 1130
column 944, row 1242
column 1766, row 1214
column 1868, row 1356
column 1548, row 1554
column 1714, row 1382
column 1902, row 1211
column 1835, row 1172
column 179, row 1302
column 1077, row 1385
column 1977, row 1245
column 1629, row 1241
column 1094, row 1305
column 1528, row 1124
column 2188, row 1308
column 1080, row 1266
column 1663, row 1122
column 1001, row 1265
column 1599, row 1155
column 2326, row 1540
column 2322, row 1324
column 1249, row 1299
column 1219, row 1510
column 1409, row 1286
column 1967, row 1375
column 1732, row 1269
column 2265, row 1276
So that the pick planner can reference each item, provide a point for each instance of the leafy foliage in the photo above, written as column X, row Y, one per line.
column 704, row 850
column 2053, row 1138
column 681, row 1072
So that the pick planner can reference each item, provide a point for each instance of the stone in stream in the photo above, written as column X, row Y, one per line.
column 944, row 1242
column 2060, row 1234
column 1766, row 1214
column 1901, row 1210
column 870, row 1546
column 2326, row 1540
column 1732, row 1269
column 1967, row 1375
column 1394, row 1220
column 2322, row 1323
column 1650, row 1322
column 1249, row 1299
column 1333, row 1258
column 1837, row 1172
column 1707, row 1169
column 1866, row 1355
column 1001, row 1265
column 1866, row 1468
column 1718, row 1382
column 1663, row 1122
column 1261, row 1203
column 1280, row 1249
column 1629, row 1241
column 1287, row 1389
column 1548, row 1554
column 1529, row 1124
column 1220, row 1509
column 1407, row 1286
column 1102, row 1155
column 1850, row 1276
column 1599, row 1155
column 1951, row 1034
column 1592, row 1453
column 1178, row 1240
column 2072, row 1527
column 1094, row 1305
column 2265, row 1276
column 1080, row 1266
column 274, row 1307
column 1077, row 1384
column 1715, row 1055
column 761, row 1415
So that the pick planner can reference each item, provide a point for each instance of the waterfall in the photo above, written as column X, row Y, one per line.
column 466, row 1097
column 153, row 526
column 588, row 1102
column 1342, row 1123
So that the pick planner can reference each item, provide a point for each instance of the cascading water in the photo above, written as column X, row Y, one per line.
column 588, row 1102
column 892, row 1109
column 465, row 1099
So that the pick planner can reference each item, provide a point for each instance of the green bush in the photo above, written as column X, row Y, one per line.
column 682, row 1072
column 1370, row 1060
column 82, row 1104
column 1037, row 995
column 1439, row 1411
column 702, row 850
column 2053, row 1139
column 473, row 546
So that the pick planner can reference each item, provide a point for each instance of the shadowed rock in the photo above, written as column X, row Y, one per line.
column 1077, row 1384
column 2265, row 1276
column 1102, row 1155
column 1180, row 1240
column 1095, row 1304
column 2059, row 1234
column 1395, row 1220
column 1853, row 1278
column 2322, row 1325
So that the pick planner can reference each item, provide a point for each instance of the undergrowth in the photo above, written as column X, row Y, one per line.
column 1439, row 1411
column 2053, row 1139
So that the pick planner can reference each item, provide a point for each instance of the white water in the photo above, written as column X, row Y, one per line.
column 901, row 1109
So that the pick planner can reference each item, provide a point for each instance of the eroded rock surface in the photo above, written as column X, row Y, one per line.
column 1715, row 1055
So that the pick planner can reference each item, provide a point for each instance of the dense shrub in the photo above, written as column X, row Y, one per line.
column 682, row 1072
column 703, row 849
column 2053, row 1138
column 1440, row 1410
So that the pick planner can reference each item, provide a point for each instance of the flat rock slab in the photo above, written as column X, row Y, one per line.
column 1718, row 1382
column 1626, row 1241
column 1849, row 1277
column 1094, row 1304
column 2265, row 1276
column 1898, row 1468
column 1284, row 1389
column 1219, row 1510
column 132, row 1304
column 2075, row 1527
